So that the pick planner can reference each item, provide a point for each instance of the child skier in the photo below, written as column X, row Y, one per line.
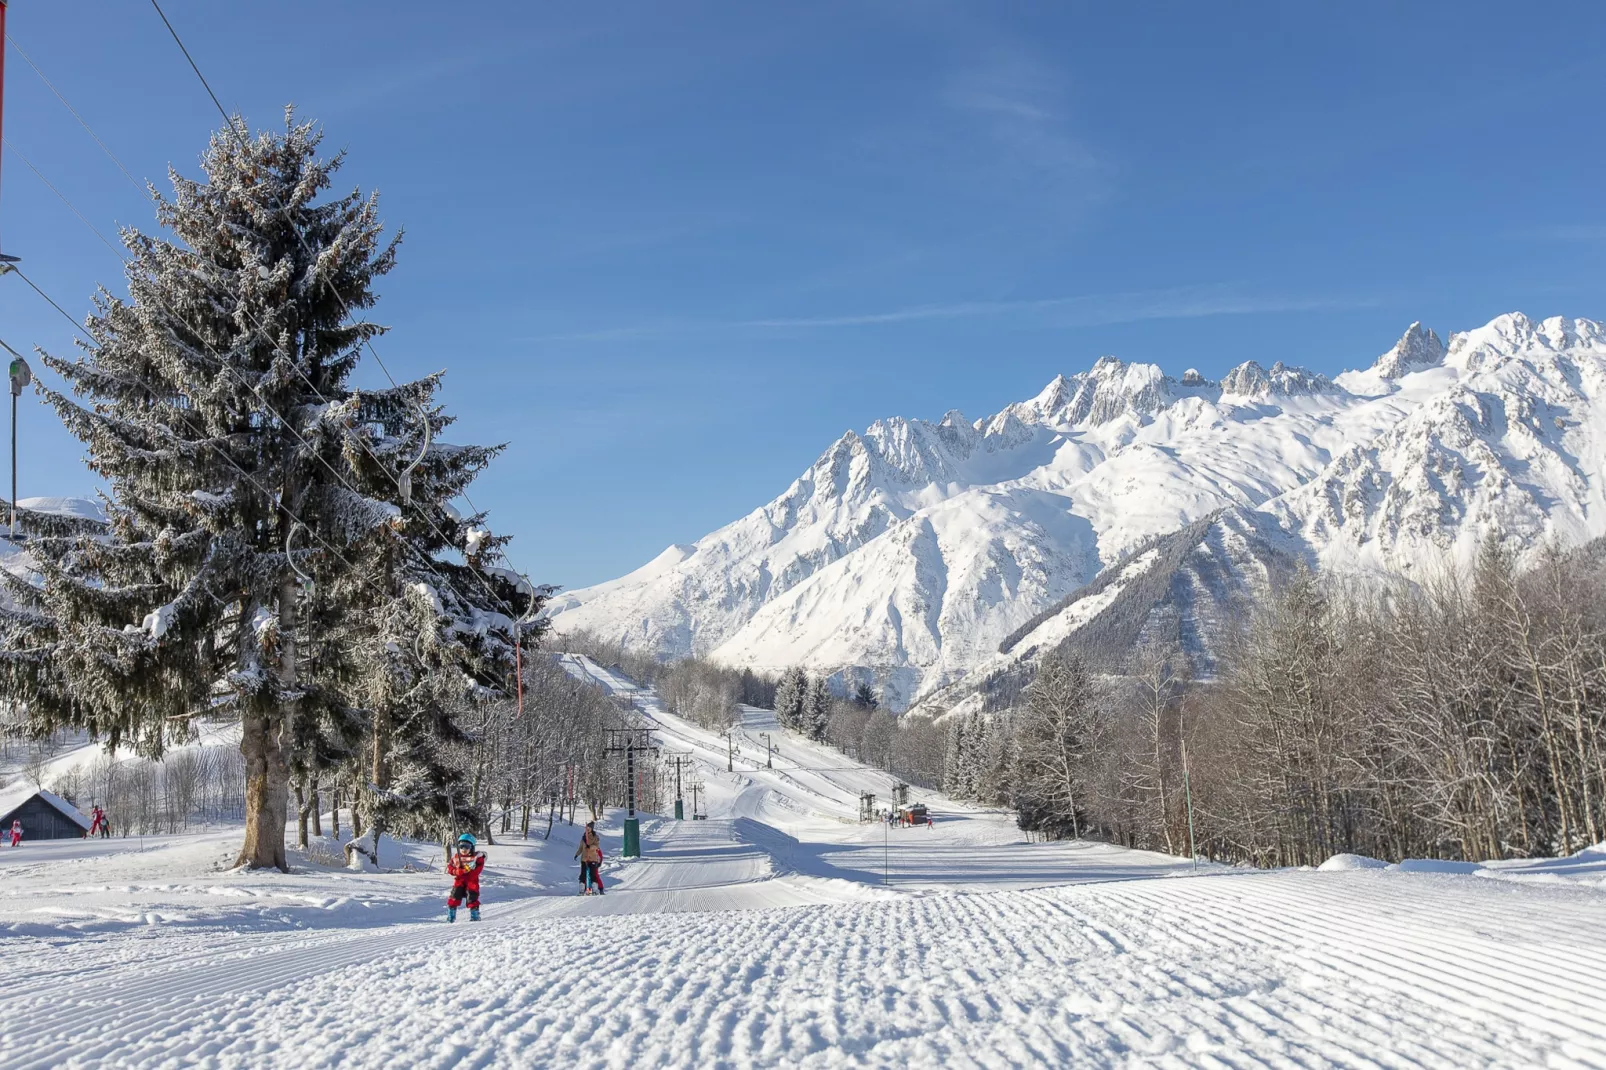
column 16, row 833
column 97, row 819
column 590, row 855
column 465, row 869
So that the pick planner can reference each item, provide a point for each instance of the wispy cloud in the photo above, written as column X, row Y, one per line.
column 997, row 126
column 1081, row 310
column 1015, row 106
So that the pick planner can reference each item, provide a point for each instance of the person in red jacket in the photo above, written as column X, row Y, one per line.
column 464, row 869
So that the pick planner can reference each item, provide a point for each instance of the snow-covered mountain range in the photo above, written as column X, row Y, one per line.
column 909, row 554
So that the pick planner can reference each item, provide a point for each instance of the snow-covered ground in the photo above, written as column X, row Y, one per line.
column 782, row 932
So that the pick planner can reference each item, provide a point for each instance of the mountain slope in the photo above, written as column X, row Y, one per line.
column 907, row 554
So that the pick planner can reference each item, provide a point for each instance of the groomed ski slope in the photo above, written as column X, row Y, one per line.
column 765, row 936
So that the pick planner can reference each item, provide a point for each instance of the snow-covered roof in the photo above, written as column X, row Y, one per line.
column 13, row 798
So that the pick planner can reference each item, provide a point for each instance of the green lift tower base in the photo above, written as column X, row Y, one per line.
column 628, row 741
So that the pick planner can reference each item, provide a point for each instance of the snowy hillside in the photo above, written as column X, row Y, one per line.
column 907, row 554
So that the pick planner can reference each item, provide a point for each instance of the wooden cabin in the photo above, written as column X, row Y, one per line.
column 44, row 815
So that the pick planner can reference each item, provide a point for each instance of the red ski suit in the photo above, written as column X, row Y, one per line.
column 465, row 874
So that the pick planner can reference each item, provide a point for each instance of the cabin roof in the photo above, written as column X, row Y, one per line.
column 16, row 797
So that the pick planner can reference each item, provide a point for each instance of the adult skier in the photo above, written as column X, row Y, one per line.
column 97, row 820
column 16, row 833
column 590, row 855
column 464, row 869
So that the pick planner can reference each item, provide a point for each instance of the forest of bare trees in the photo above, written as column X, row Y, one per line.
column 1462, row 716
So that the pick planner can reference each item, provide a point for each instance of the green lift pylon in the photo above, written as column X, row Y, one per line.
column 680, row 805
column 628, row 741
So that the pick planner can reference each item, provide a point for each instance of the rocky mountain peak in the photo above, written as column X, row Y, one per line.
column 1250, row 380
column 1417, row 348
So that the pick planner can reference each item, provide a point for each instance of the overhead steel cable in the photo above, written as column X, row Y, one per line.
column 512, row 613
column 420, row 557
column 52, row 187
column 204, row 440
column 81, row 122
column 228, row 121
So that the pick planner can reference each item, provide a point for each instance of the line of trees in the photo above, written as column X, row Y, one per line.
column 911, row 747
column 512, row 774
column 701, row 691
column 1463, row 718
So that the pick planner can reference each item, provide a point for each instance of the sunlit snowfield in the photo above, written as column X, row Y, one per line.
column 781, row 932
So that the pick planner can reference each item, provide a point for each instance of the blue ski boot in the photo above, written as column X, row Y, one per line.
column 473, row 913
column 451, row 913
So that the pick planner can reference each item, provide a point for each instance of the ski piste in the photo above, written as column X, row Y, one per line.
column 1089, row 953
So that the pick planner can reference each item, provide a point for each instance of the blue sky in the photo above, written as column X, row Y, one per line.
column 668, row 252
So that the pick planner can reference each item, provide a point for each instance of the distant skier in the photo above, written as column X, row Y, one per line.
column 464, row 869
column 590, row 855
column 16, row 833
column 97, row 821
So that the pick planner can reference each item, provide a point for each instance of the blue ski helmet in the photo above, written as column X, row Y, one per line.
column 468, row 839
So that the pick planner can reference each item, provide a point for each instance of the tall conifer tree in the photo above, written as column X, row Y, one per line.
column 816, row 708
column 216, row 407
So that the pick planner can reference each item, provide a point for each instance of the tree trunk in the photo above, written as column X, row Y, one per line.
column 267, row 792
column 317, row 810
column 267, row 770
column 380, row 770
column 301, row 816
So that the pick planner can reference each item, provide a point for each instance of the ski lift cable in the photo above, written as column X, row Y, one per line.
column 18, row 153
column 270, row 495
column 12, row 41
column 296, row 520
column 228, row 121
column 402, row 479
column 512, row 613
column 255, row 389
column 333, row 550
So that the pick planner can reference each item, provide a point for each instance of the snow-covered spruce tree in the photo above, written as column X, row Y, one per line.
column 205, row 411
column 791, row 694
column 431, row 637
column 816, row 708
